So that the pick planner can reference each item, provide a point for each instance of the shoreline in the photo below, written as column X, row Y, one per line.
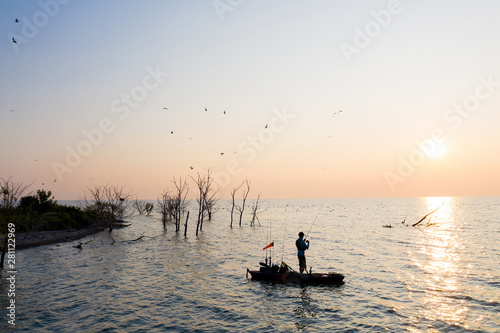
column 26, row 240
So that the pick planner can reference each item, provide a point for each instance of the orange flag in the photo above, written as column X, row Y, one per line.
column 272, row 244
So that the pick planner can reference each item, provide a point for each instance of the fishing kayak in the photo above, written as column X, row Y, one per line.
column 284, row 274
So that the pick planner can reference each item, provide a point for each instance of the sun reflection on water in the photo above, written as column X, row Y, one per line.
column 439, row 259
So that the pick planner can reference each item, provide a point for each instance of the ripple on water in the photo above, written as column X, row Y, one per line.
column 438, row 278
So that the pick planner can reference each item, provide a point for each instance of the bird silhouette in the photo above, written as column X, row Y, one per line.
column 13, row 40
column 16, row 20
column 55, row 180
column 171, row 132
column 191, row 167
column 336, row 113
column 206, row 109
column 224, row 112
column 265, row 127
column 12, row 110
column 221, row 154
column 165, row 108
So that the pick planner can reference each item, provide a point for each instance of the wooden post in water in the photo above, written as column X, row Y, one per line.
column 186, row 224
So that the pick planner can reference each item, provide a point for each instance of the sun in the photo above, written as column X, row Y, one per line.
column 437, row 151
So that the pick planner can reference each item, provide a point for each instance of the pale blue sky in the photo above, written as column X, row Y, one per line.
column 261, row 57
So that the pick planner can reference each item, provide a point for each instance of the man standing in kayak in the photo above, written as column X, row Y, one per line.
column 302, row 246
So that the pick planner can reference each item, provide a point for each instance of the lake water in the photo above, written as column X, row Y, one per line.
column 444, row 277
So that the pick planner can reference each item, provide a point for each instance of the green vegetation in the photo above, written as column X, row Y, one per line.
column 41, row 212
column 149, row 208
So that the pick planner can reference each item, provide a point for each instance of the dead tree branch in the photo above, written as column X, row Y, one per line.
column 423, row 218
column 233, row 193
column 241, row 208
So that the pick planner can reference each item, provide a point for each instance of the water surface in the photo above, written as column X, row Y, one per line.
column 438, row 278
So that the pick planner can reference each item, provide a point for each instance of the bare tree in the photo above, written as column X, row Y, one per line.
column 206, row 198
column 110, row 203
column 180, row 204
column 164, row 208
column 255, row 212
column 140, row 206
column 233, row 193
column 12, row 192
column 200, row 183
column 210, row 204
column 10, row 195
column 241, row 208
column 210, row 196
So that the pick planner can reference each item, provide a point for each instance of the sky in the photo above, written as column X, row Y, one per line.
column 305, row 99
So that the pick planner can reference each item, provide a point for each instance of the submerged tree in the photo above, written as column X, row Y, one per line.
column 140, row 206
column 233, row 205
column 143, row 207
column 149, row 208
column 110, row 203
column 163, row 207
column 255, row 211
column 206, row 199
column 210, row 196
column 172, row 207
column 241, row 208
column 180, row 204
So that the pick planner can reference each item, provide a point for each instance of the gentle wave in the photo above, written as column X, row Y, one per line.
column 441, row 277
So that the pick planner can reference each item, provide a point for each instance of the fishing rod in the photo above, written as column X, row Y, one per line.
column 283, row 249
column 312, row 224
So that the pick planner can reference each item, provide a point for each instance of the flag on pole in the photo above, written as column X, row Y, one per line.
column 272, row 244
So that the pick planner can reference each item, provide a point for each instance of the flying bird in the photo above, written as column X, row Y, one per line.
column 16, row 20
column 206, row 109
column 224, row 112
column 165, row 108
column 265, row 127
column 191, row 167
column 55, row 180
column 221, row 154
column 13, row 40
column 171, row 132
column 336, row 113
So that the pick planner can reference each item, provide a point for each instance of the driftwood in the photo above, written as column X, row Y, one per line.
column 423, row 218
column 134, row 240
column 79, row 246
column 138, row 238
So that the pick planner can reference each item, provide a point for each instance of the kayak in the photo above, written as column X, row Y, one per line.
column 285, row 274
